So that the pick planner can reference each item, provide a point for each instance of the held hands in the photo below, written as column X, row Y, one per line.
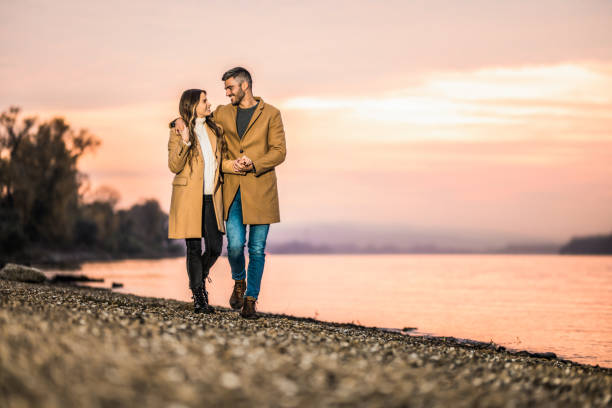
column 243, row 164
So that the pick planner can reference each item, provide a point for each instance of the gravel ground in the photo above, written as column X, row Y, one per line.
column 65, row 346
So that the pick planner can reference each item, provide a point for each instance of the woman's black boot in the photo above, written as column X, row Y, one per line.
column 200, row 301
column 207, row 307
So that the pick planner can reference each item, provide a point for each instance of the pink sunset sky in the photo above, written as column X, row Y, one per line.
column 477, row 115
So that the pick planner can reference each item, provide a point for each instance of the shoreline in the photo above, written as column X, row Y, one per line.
column 72, row 278
column 83, row 280
column 412, row 331
column 446, row 340
column 65, row 345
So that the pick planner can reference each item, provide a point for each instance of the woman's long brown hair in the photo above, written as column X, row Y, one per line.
column 187, row 109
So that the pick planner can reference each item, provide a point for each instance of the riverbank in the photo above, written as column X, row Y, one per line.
column 67, row 346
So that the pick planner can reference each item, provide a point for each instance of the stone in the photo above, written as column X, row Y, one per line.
column 21, row 273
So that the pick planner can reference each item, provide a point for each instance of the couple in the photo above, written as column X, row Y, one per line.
column 224, row 164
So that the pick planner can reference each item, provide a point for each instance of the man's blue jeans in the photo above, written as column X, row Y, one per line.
column 236, row 238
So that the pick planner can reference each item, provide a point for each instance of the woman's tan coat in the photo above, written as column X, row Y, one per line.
column 185, row 219
column 264, row 143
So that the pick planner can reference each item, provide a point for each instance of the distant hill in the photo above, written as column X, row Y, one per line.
column 529, row 248
column 302, row 247
column 589, row 245
column 343, row 238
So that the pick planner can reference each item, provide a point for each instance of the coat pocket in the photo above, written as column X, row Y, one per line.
column 179, row 181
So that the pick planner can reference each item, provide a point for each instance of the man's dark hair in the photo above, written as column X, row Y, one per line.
column 240, row 74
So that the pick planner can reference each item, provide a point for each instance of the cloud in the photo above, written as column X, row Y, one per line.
column 534, row 97
column 72, row 54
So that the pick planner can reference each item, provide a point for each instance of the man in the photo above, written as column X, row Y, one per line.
column 253, row 131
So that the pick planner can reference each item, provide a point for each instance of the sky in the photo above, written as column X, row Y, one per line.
column 488, row 117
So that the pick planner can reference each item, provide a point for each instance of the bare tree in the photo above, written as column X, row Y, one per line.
column 39, row 178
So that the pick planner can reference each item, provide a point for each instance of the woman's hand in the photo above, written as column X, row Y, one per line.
column 236, row 166
column 244, row 164
column 245, row 161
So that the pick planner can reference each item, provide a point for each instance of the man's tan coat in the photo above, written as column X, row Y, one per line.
column 264, row 143
column 185, row 218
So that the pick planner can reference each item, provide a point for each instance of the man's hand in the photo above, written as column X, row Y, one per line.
column 179, row 124
column 243, row 164
column 236, row 166
column 247, row 164
column 181, row 129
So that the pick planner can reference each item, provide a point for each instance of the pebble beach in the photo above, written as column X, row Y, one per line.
column 69, row 346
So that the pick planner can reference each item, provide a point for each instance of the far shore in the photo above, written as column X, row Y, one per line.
column 73, row 260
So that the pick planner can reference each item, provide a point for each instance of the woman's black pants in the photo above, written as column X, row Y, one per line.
column 198, row 263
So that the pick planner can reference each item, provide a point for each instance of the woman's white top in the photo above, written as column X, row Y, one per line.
column 210, row 162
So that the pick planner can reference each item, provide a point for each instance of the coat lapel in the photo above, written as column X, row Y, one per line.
column 212, row 137
column 256, row 114
column 232, row 127
column 200, row 152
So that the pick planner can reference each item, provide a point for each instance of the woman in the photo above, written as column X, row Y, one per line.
column 196, row 207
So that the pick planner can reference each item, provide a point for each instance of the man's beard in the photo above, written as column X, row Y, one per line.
column 238, row 97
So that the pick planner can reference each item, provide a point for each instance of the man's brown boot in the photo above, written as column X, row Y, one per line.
column 248, row 310
column 237, row 298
